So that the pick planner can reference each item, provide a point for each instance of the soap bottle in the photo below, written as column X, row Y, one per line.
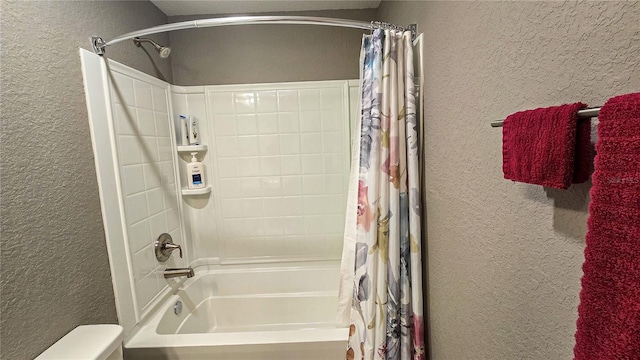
column 195, row 173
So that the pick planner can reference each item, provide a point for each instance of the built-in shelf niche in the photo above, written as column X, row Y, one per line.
column 192, row 148
column 203, row 191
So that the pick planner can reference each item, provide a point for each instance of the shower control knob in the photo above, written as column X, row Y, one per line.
column 164, row 246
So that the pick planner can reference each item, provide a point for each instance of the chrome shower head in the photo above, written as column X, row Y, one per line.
column 164, row 51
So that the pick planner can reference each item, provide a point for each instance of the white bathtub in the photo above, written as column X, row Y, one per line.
column 247, row 313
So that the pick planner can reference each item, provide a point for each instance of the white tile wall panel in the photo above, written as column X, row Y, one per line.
column 173, row 218
column 143, row 263
column 224, row 103
column 136, row 207
column 244, row 103
column 331, row 120
column 311, row 164
column 268, row 123
column 311, row 143
column 267, row 101
column 269, row 145
column 281, row 152
column 155, row 202
column 167, row 175
column 270, row 186
column 290, row 165
column 310, row 121
column 152, row 176
column 146, row 288
column 226, row 126
column 332, row 99
column 287, row 100
column 146, row 122
column 129, row 150
column 162, row 124
column 250, row 187
column 125, row 119
column 247, row 124
column 289, row 144
column 309, row 99
column 143, row 98
column 248, row 166
column 138, row 235
column 158, row 225
column 247, row 146
column 269, row 165
column 133, row 179
column 228, row 167
column 292, row 185
column 149, row 150
column 159, row 99
column 147, row 174
column 288, row 122
column 165, row 150
column 122, row 90
column 227, row 146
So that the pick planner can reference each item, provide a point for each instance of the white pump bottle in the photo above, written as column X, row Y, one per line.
column 195, row 173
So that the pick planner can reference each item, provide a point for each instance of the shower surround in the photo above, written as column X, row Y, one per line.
column 277, row 159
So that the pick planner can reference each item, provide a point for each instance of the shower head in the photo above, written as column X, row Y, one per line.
column 164, row 51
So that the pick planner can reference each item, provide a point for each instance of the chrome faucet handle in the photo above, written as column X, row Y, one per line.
column 170, row 247
column 164, row 246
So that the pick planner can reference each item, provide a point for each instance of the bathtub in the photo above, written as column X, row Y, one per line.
column 246, row 313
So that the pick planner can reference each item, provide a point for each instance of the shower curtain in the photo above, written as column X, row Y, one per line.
column 381, row 285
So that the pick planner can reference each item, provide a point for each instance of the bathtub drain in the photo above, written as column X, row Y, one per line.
column 177, row 308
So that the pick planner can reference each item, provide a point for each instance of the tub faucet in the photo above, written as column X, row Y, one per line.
column 177, row 272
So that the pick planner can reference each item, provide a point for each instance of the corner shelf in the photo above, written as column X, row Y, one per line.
column 205, row 190
column 192, row 148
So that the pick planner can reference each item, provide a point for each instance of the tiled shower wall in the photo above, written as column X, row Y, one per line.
column 146, row 166
column 279, row 157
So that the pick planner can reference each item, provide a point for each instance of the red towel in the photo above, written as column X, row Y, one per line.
column 609, row 312
column 547, row 146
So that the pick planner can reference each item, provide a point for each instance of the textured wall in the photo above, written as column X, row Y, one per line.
column 268, row 53
column 55, row 271
column 505, row 258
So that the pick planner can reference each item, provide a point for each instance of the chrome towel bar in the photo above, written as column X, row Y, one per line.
column 582, row 114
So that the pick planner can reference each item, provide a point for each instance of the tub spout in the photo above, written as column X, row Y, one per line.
column 177, row 272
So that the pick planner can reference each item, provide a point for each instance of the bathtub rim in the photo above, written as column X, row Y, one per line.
column 202, row 265
column 145, row 334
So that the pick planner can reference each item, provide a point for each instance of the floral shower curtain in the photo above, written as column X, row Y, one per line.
column 382, row 256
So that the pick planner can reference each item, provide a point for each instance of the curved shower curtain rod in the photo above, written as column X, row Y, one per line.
column 99, row 44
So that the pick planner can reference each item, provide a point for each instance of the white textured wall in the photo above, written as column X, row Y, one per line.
column 505, row 258
column 267, row 53
column 55, row 272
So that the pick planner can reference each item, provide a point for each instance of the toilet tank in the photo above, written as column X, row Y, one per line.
column 88, row 342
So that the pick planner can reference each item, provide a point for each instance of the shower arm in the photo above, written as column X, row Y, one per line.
column 138, row 42
column 99, row 44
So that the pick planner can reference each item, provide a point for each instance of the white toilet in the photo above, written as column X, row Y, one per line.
column 88, row 342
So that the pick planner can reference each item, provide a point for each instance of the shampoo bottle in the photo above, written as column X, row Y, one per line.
column 194, row 131
column 184, row 130
column 195, row 172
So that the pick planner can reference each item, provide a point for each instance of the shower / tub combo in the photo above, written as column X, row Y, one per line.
column 264, row 237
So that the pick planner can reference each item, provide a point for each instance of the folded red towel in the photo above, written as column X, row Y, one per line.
column 547, row 146
column 608, row 324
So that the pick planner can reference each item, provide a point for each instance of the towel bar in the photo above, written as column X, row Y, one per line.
column 584, row 113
